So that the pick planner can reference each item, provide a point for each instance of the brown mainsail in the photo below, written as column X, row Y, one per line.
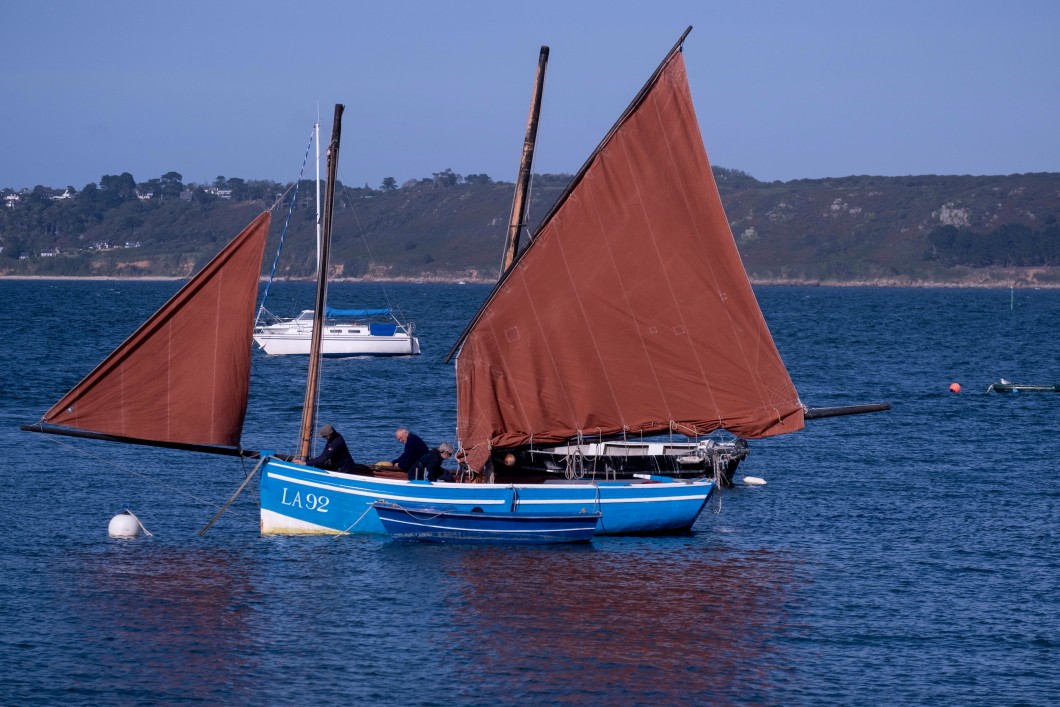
column 630, row 312
column 184, row 376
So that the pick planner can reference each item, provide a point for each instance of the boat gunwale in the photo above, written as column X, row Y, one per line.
column 618, row 483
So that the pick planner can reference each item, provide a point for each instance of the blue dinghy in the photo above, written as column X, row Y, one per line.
column 450, row 525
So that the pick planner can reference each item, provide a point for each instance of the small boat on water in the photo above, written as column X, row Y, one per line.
column 448, row 525
column 1004, row 386
column 618, row 459
column 347, row 332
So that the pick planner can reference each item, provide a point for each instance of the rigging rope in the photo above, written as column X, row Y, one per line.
column 283, row 234
column 526, row 209
column 371, row 258
column 718, row 462
column 125, row 509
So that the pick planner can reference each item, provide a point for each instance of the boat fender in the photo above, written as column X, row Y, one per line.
column 754, row 481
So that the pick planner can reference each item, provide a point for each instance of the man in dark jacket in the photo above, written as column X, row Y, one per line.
column 336, row 456
column 414, row 448
column 429, row 466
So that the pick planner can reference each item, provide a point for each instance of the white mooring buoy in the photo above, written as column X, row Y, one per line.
column 125, row 525
column 754, row 481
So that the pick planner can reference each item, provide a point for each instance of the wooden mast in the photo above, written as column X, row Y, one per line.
column 518, row 218
column 312, row 381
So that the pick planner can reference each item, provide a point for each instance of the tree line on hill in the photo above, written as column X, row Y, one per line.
column 1009, row 245
column 452, row 226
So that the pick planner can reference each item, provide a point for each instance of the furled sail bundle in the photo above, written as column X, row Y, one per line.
column 630, row 312
column 184, row 376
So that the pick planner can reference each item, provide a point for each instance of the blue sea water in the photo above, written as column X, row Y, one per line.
column 906, row 557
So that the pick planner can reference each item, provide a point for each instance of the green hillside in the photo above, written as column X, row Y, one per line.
column 876, row 230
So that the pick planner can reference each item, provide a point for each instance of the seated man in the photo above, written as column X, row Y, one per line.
column 414, row 448
column 336, row 455
column 429, row 466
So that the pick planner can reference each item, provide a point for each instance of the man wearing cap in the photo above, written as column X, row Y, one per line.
column 336, row 456
column 429, row 466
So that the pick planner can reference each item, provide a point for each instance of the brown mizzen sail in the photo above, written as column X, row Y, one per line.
column 630, row 312
column 184, row 376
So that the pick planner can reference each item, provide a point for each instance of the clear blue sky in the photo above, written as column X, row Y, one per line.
column 784, row 89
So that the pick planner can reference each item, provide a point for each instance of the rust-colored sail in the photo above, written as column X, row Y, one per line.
column 184, row 376
column 630, row 312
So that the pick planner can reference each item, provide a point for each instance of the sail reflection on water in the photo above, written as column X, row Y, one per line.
column 669, row 624
column 178, row 606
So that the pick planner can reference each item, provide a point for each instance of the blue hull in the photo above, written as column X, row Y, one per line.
column 443, row 525
column 302, row 500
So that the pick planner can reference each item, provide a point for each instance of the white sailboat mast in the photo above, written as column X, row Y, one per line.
column 316, row 139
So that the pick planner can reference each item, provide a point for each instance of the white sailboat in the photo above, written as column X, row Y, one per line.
column 347, row 332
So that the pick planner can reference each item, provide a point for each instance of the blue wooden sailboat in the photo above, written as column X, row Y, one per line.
column 627, row 315
column 479, row 527
column 296, row 499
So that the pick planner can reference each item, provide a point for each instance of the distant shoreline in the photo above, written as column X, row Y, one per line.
column 913, row 284
column 168, row 278
column 881, row 283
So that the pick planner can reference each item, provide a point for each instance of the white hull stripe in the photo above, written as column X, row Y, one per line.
column 369, row 493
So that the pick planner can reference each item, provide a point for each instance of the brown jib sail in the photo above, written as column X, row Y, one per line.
column 184, row 376
column 630, row 311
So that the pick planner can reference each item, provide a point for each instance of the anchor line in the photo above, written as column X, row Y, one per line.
column 359, row 518
column 127, row 470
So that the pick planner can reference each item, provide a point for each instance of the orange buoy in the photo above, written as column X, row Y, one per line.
column 955, row 387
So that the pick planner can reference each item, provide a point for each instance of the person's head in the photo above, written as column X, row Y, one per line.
column 326, row 431
column 446, row 450
column 402, row 434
